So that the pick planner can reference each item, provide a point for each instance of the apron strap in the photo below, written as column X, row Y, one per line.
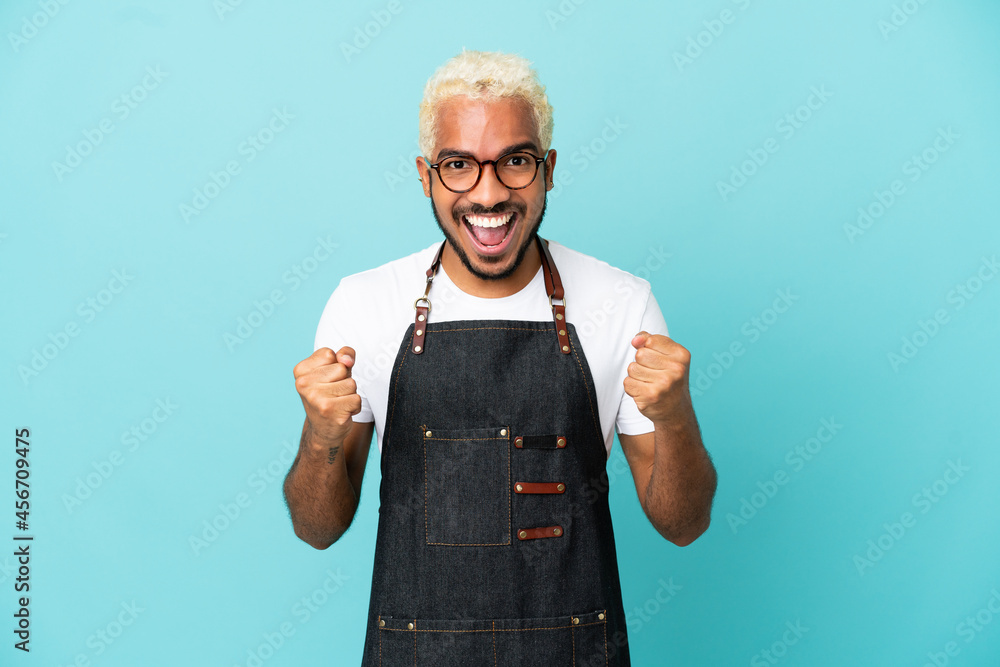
column 553, row 286
column 423, row 305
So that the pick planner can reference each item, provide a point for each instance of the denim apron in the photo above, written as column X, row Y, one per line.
column 495, row 544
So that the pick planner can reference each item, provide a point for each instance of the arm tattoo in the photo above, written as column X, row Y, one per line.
column 332, row 456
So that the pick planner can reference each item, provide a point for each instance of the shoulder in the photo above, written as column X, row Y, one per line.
column 374, row 299
column 590, row 277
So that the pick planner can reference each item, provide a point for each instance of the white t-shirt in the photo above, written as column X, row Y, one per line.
column 371, row 310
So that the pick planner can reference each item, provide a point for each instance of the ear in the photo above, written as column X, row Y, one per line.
column 550, row 165
column 424, row 172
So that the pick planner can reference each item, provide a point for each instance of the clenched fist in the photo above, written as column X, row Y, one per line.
column 329, row 394
column 658, row 378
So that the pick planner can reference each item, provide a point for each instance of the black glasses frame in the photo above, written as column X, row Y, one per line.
column 538, row 160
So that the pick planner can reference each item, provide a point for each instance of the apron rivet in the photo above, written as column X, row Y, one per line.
column 565, row 348
column 420, row 318
column 420, row 332
column 381, row 623
column 557, row 531
column 558, row 316
column 409, row 626
column 562, row 332
column 600, row 616
column 518, row 441
column 561, row 487
column 518, row 487
column 416, row 349
column 427, row 433
column 575, row 620
column 503, row 431
column 522, row 534
column 561, row 442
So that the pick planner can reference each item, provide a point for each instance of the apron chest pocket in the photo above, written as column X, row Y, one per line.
column 579, row 639
column 467, row 486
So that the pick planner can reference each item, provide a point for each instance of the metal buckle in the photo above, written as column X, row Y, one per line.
column 563, row 304
column 422, row 298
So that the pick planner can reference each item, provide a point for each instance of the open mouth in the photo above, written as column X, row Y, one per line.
column 490, row 234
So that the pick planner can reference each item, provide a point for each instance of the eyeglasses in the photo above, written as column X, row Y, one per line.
column 515, row 170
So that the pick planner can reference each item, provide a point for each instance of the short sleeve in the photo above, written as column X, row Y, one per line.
column 630, row 421
column 334, row 331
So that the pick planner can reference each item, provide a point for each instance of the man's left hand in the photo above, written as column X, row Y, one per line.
column 658, row 378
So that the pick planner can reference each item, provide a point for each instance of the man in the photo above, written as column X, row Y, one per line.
column 495, row 407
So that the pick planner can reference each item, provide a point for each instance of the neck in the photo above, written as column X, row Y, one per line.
column 491, row 289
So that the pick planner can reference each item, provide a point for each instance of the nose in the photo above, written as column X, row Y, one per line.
column 489, row 191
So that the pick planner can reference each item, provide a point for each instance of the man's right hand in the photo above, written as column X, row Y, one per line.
column 329, row 394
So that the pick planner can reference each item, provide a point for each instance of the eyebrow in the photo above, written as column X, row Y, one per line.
column 524, row 145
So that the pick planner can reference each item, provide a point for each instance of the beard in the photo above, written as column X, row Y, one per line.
column 456, row 245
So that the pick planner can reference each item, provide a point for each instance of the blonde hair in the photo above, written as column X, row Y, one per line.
column 484, row 75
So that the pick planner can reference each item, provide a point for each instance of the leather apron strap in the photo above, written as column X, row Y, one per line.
column 553, row 287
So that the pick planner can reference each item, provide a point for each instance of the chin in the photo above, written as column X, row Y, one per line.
column 490, row 267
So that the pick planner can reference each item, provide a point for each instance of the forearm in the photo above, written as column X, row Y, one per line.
column 678, row 498
column 320, row 497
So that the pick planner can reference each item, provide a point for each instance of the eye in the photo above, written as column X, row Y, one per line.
column 456, row 164
column 517, row 161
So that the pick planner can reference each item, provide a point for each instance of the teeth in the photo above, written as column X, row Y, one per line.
column 482, row 221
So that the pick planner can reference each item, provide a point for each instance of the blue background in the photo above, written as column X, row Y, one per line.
column 340, row 170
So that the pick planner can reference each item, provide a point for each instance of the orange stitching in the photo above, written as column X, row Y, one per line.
column 597, row 427
column 605, row 622
column 415, row 644
column 494, row 643
column 395, row 388
column 380, row 642
column 436, row 438
column 554, row 627
column 427, row 534
column 572, row 637
column 484, row 329
column 470, row 544
column 510, row 518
